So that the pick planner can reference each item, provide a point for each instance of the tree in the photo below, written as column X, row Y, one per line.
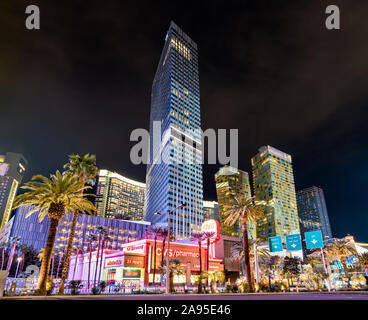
column 291, row 268
column 243, row 210
column 271, row 262
column 100, row 232
column 23, row 248
column 174, row 269
column 363, row 260
column 91, row 237
column 339, row 249
column 85, row 169
column 13, row 245
column 199, row 237
column 52, row 197
column 155, row 232
column 208, row 237
column 105, row 238
column 3, row 246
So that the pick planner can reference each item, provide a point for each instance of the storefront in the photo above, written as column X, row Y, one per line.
column 135, row 264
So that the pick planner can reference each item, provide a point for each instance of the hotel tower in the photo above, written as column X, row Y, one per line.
column 174, row 173
column 273, row 182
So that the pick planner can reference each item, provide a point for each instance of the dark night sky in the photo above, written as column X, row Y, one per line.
column 269, row 68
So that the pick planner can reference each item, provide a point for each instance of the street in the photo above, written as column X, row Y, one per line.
column 257, row 296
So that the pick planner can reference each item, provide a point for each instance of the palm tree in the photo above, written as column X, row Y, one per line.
column 243, row 210
column 174, row 269
column 105, row 238
column 91, row 237
column 100, row 231
column 155, row 232
column 199, row 237
column 52, row 198
column 60, row 254
column 23, row 248
column 85, row 169
column 4, row 246
column 363, row 260
column 78, row 250
column 270, row 262
column 13, row 245
column 339, row 249
column 208, row 237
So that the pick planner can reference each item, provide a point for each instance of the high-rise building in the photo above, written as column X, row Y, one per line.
column 174, row 174
column 210, row 210
column 312, row 211
column 12, row 168
column 119, row 197
column 229, row 179
column 273, row 183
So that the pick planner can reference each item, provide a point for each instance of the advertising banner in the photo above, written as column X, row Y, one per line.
column 275, row 244
column 293, row 242
column 314, row 239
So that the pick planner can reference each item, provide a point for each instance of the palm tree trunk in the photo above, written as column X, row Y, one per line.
column 65, row 270
column 246, row 257
column 52, row 265
column 102, row 254
column 89, row 263
column 42, row 281
column 200, row 267
column 208, row 255
column 11, row 256
column 97, row 257
column 58, row 267
column 22, row 263
column 154, row 261
column 75, row 263
column 2, row 258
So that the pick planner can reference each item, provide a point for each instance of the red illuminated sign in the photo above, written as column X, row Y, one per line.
column 211, row 225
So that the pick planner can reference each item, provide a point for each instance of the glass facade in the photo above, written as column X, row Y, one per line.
column 273, row 182
column 235, row 180
column 119, row 197
column 210, row 210
column 174, row 175
column 312, row 211
column 34, row 233
column 12, row 168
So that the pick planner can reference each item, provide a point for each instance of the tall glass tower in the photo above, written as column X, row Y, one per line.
column 174, row 173
column 273, row 181
column 312, row 211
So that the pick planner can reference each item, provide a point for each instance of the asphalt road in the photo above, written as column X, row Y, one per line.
column 257, row 296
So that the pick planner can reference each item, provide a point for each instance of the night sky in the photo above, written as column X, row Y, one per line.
column 268, row 68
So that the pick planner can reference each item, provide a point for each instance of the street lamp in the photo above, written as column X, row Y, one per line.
column 168, row 242
column 19, row 259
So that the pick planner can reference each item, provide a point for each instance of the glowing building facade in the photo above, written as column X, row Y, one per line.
column 12, row 168
column 119, row 197
column 174, row 174
column 273, row 182
column 229, row 179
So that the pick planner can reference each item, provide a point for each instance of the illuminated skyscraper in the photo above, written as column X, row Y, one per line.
column 237, row 181
column 119, row 197
column 174, row 175
column 273, row 182
column 312, row 211
column 12, row 168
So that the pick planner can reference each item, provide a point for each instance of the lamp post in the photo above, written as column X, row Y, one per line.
column 168, row 243
column 19, row 259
